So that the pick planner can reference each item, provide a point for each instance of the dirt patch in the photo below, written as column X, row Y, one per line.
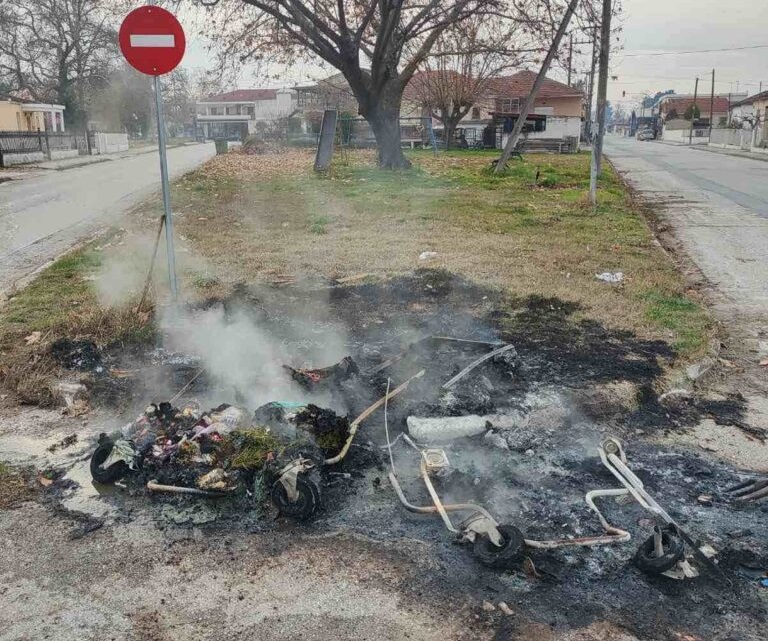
column 17, row 485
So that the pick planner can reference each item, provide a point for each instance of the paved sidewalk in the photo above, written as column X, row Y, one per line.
column 44, row 213
column 752, row 155
column 81, row 161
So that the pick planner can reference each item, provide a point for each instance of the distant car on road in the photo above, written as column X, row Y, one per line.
column 645, row 134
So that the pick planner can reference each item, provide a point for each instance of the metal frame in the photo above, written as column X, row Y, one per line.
column 480, row 521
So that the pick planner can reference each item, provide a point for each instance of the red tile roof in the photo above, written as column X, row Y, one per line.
column 519, row 85
column 680, row 105
column 243, row 95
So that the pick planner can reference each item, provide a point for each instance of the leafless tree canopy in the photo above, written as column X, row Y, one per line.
column 57, row 50
column 378, row 45
column 456, row 76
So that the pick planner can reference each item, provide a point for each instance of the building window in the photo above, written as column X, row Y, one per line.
column 475, row 113
column 531, row 124
column 509, row 105
column 232, row 111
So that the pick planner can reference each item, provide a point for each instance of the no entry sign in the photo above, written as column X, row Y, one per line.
column 152, row 40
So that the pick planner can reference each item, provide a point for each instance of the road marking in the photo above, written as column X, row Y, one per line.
column 153, row 40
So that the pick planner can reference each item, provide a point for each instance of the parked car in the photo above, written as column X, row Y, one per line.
column 645, row 134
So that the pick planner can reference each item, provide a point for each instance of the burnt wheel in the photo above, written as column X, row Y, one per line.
column 305, row 506
column 674, row 551
column 503, row 556
column 114, row 472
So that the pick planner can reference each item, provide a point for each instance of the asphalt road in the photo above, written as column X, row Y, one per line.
column 47, row 212
column 717, row 206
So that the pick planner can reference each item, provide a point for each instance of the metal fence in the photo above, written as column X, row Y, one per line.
column 357, row 132
column 25, row 143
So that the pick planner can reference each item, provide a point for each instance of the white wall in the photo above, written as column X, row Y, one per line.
column 681, row 136
column 37, row 156
column 110, row 143
column 745, row 139
column 559, row 127
column 21, row 159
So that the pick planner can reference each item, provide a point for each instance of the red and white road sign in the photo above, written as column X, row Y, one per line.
column 152, row 40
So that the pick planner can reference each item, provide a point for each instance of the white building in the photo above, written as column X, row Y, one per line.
column 236, row 114
column 554, row 122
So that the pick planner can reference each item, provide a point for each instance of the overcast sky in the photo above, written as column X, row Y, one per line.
column 653, row 26
column 656, row 26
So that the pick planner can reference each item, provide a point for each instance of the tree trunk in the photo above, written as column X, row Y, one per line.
column 386, row 127
column 450, row 132
column 381, row 108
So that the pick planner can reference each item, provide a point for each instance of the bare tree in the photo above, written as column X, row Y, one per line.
column 455, row 77
column 124, row 103
column 178, row 103
column 377, row 45
column 57, row 50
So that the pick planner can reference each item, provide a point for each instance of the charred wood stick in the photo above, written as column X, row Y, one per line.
column 151, row 264
column 187, row 386
column 750, row 490
column 154, row 486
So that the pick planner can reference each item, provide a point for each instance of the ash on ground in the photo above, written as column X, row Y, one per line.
column 567, row 385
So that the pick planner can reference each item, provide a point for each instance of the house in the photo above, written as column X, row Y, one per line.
column 333, row 92
column 556, row 114
column 19, row 114
column 237, row 114
column 747, row 129
column 673, row 107
column 669, row 113
column 753, row 109
column 555, row 118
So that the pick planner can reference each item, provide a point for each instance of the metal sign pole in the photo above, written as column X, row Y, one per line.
column 166, row 190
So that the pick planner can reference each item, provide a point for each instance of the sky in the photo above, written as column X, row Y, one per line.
column 663, row 26
column 649, row 27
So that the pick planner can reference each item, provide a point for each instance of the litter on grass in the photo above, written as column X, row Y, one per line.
column 610, row 277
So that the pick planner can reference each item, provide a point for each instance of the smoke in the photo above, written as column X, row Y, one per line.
column 245, row 358
column 124, row 268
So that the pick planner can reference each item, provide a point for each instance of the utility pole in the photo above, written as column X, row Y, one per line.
column 712, row 105
column 570, row 61
column 602, row 90
column 729, row 108
column 590, row 93
column 693, row 111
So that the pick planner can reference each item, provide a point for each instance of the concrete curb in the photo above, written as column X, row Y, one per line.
column 733, row 152
column 94, row 160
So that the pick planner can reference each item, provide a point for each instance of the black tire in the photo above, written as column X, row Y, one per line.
column 114, row 472
column 305, row 506
column 674, row 551
column 502, row 557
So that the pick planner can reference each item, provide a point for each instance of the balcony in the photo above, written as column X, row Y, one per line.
column 224, row 118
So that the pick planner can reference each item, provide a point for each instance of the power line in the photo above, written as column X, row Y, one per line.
column 651, row 80
column 680, row 53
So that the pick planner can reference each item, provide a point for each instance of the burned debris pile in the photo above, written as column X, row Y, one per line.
column 212, row 453
column 509, row 429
